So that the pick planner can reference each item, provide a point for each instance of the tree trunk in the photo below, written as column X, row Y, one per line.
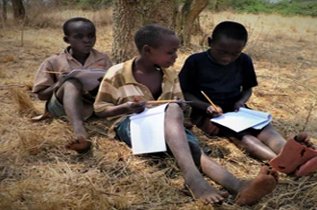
column 163, row 12
column 188, row 18
column 4, row 15
column 130, row 15
column 125, row 21
column 18, row 9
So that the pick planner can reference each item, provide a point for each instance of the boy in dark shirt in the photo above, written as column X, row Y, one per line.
column 227, row 76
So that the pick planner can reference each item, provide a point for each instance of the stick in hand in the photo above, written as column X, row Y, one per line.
column 166, row 101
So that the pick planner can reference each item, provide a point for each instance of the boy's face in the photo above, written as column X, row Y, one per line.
column 166, row 54
column 225, row 50
column 82, row 37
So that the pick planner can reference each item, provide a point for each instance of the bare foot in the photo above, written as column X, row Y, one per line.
column 80, row 145
column 254, row 190
column 302, row 138
column 296, row 152
column 201, row 190
column 310, row 166
column 307, row 168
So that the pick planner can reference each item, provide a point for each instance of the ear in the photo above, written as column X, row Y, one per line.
column 66, row 39
column 146, row 49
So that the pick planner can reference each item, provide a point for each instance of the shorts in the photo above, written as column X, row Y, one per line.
column 123, row 134
column 239, row 135
column 55, row 107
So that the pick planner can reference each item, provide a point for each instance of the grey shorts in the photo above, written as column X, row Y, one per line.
column 55, row 107
column 123, row 134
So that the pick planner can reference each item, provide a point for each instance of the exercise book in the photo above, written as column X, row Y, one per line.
column 147, row 130
column 90, row 78
column 243, row 119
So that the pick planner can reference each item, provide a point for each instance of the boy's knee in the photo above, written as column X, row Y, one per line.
column 174, row 109
column 208, row 127
column 72, row 84
column 247, row 140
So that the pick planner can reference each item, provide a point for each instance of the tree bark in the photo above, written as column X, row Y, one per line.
column 125, row 21
column 188, row 18
column 163, row 12
column 4, row 10
column 130, row 15
column 18, row 10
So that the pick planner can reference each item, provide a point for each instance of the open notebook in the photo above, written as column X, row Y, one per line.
column 147, row 130
column 90, row 78
column 243, row 119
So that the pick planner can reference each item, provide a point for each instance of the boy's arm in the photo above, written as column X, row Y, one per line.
column 125, row 108
column 106, row 103
column 45, row 94
column 45, row 82
column 249, row 81
column 245, row 95
column 202, row 105
column 196, row 102
column 186, row 77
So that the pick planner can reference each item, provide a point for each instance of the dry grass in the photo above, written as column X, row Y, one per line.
column 36, row 172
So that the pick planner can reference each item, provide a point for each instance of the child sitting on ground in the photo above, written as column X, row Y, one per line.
column 147, row 78
column 67, row 96
column 226, row 75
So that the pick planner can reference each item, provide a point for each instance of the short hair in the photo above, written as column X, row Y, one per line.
column 151, row 35
column 76, row 19
column 231, row 30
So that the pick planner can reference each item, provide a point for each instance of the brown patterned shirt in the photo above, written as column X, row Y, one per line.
column 64, row 63
column 119, row 86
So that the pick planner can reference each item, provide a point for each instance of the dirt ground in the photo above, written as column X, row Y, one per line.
column 37, row 172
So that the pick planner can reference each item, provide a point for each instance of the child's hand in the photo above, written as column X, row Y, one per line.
column 60, row 81
column 214, row 112
column 238, row 105
column 181, row 103
column 135, row 107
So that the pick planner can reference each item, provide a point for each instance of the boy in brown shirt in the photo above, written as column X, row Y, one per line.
column 67, row 95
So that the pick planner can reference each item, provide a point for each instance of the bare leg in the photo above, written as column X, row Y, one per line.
column 270, row 137
column 264, row 147
column 248, row 192
column 220, row 175
column 177, row 142
column 254, row 190
column 254, row 147
column 208, row 127
column 71, row 92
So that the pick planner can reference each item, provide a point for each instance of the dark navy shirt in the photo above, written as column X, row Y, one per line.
column 222, row 83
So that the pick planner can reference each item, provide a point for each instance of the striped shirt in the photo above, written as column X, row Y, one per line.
column 119, row 86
